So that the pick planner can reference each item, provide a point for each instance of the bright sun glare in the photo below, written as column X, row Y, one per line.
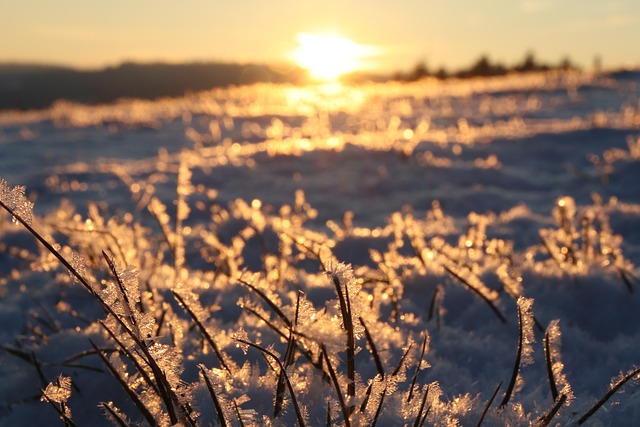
column 328, row 56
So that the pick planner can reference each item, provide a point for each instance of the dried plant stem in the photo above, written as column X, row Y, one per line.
column 547, row 356
column 372, row 347
column 134, row 360
column 114, row 415
column 67, row 421
column 289, row 358
column 123, row 383
column 51, row 249
column 486, row 408
column 417, row 371
column 123, row 293
column 347, row 321
column 266, row 299
column 203, row 331
column 477, row 292
column 214, row 398
column 328, row 423
column 608, row 395
column 298, row 343
column 336, row 384
column 516, row 367
column 83, row 281
column 265, row 351
column 383, row 393
column 546, row 418
column 420, row 419
column 380, row 369
column 165, row 391
column 238, row 414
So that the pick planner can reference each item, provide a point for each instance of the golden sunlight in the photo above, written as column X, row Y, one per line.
column 328, row 56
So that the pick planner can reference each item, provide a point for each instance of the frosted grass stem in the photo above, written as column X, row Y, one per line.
column 214, row 398
column 614, row 388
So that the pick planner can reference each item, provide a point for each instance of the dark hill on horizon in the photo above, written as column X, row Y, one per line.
column 26, row 86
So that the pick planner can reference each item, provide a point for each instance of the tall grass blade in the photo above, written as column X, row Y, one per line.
column 67, row 421
column 289, row 357
column 379, row 408
column 549, row 363
column 51, row 249
column 214, row 398
column 608, row 395
column 417, row 371
column 144, row 411
column 328, row 423
column 266, row 299
column 203, row 331
column 516, row 366
column 123, row 348
column 372, row 347
column 488, row 405
column 477, row 292
column 238, row 413
column 265, row 351
column 115, row 417
column 347, row 321
column 546, row 418
column 420, row 418
column 336, row 384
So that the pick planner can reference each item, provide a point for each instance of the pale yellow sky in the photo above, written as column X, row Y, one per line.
column 453, row 34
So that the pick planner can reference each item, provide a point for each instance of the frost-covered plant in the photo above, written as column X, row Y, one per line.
column 59, row 392
column 584, row 240
column 330, row 342
column 525, row 348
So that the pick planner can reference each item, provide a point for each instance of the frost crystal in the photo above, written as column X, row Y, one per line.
column 241, row 335
column 14, row 199
column 78, row 264
column 169, row 359
column 555, row 337
column 528, row 337
column 59, row 391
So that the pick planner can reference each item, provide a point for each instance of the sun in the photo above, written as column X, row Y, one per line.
column 328, row 56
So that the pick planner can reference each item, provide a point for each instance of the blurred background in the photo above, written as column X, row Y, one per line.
column 94, row 52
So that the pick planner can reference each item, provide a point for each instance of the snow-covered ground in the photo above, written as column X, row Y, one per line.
column 465, row 210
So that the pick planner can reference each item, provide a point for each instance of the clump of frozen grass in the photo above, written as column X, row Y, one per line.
column 355, row 345
column 583, row 241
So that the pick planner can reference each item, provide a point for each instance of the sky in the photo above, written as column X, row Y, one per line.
column 92, row 34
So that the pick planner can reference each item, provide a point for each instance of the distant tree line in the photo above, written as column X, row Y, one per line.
column 37, row 86
column 484, row 67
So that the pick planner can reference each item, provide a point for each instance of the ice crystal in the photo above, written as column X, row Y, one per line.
column 15, row 199
column 78, row 263
column 510, row 280
column 59, row 391
column 343, row 278
column 528, row 338
column 241, row 335
column 623, row 377
column 169, row 359
column 555, row 339
column 114, row 414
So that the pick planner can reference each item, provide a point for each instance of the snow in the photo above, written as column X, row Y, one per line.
column 438, row 204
